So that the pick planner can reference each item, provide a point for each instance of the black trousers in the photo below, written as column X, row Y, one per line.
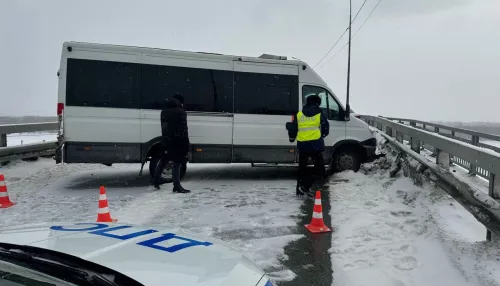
column 305, row 177
column 176, row 170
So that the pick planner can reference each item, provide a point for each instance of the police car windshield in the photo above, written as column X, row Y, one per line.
column 13, row 275
column 64, row 269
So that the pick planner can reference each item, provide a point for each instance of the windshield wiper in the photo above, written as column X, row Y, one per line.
column 63, row 266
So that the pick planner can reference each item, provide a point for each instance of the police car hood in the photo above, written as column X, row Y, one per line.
column 151, row 255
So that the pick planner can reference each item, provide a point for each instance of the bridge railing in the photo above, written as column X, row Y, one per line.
column 465, row 135
column 26, row 151
column 447, row 149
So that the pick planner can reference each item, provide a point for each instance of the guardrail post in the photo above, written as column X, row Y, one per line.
column 442, row 159
column 415, row 145
column 452, row 136
column 399, row 137
column 3, row 143
column 3, row 140
column 388, row 131
column 435, row 151
column 494, row 192
column 475, row 142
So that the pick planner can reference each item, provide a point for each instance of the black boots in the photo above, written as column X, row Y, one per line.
column 156, row 184
column 301, row 191
column 180, row 189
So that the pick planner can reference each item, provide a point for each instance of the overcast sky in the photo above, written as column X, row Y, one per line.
column 423, row 59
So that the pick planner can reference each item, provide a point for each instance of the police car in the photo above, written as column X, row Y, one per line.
column 119, row 254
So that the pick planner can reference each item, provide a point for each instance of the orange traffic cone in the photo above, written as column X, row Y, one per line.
column 317, row 225
column 103, row 214
column 5, row 201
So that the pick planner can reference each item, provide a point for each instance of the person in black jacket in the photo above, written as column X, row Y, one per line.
column 175, row 141
column 309, row 148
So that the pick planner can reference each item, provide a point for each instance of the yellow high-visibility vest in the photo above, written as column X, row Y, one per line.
column 309, row 127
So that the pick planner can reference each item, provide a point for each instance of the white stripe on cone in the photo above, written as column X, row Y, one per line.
column 317, row 215
column 103, row 210
column 317, row 202
column 3, row 194
column 2, row 183
column 102, row 197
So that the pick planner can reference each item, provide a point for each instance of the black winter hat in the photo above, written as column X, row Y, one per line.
column 313, row 99
column 179, row 97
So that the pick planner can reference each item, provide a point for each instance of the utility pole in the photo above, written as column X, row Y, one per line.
column 348, row 108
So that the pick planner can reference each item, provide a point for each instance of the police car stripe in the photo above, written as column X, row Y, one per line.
column 102, row 197
column 103, row 210
column 317, row 215
column 102, row 229
column 317, row 202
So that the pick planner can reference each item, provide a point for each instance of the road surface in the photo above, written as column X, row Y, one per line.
column 387, row 230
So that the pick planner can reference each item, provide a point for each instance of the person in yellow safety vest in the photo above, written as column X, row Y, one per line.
column 309, row 127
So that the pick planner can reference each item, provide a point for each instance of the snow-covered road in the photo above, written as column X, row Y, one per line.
column 387, row 230
column 391, row 232
column 254, row 209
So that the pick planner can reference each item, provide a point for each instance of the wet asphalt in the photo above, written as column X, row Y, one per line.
column 308, row 257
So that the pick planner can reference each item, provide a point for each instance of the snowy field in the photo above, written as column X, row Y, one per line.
column 15, row 139
column 253, row 209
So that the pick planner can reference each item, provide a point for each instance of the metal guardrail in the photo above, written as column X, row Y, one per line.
column 28, row 150
column 28, row 127
column 485, row 207
column 465, row 135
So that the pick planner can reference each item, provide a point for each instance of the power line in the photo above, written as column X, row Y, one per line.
column 334, row 45
column 373, row 10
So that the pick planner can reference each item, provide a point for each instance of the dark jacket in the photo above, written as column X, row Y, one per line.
column 315, row 145
column 174, row 130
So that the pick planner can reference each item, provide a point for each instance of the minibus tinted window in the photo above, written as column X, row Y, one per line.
column 272, row 94
column 102, row 84
column 203, row 89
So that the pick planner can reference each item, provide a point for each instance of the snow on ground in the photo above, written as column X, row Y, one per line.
column 15, row 139
column 391, row 232
column 253, row 209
